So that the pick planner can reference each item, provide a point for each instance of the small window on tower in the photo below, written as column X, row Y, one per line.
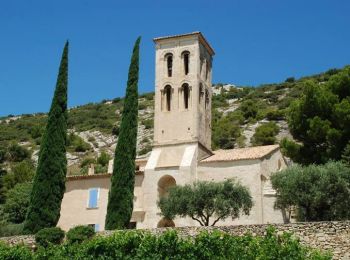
column 206, row 98
column 167, row 94
column 201, row 93
column 169, row 62
column 186, row 94
column 207, row 69
column 186, row 58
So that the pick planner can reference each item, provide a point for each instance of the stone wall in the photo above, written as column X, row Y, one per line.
column 330, row 236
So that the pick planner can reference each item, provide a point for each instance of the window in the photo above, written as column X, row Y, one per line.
column 169, row 62
column 93, row 198
column 201, row 93
column 167, row 94
column 206, row 98
column 96, row 227
column 186, row 94
column 186, row 58
column 207, row 64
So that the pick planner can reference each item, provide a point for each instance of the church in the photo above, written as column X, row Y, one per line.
column 181, row 151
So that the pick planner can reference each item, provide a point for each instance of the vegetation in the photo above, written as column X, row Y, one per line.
column 206, row 202
column 169, row 245
column 226, row 130
column 49, row 181
column 121, row 194
column 48, row 236
column 17, row 202
column 79, row 234
column 320, row 119
column 77, row 144
column 265, row 134
column 316, row 192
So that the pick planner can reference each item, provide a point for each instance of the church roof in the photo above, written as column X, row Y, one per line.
column 249, row 153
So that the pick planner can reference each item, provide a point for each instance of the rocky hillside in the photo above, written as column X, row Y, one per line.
column 242, row 116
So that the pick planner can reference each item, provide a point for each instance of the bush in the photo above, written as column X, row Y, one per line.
column 17, row 252
column 79, row 234
column 169, row 245
column 11, row 230
column 265, row 134
column 47, row 236
column 17, row 153
column 316, row 192
column 17, row 202
column 103, row 159
column 148, row 123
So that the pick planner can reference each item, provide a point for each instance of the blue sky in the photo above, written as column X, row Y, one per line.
column 256, row 42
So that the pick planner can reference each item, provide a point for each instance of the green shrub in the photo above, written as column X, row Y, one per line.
column 142, row 106
column 275, row 115
column 17, row 153
column 265, row 134
column 11, row 230
column 79, row 234
column 103, row 159
column 17, row 252
column 87, row 161
column 47, row 236
column 148, row 123
column 169, row 245
column 17, row 202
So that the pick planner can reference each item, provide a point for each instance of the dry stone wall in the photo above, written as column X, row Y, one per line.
column 329, row 236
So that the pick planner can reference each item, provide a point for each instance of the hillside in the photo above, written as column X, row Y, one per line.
column 237, row 113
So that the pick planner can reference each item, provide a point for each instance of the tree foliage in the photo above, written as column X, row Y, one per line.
column 320, row 119
column 170, row 245
column 49, row 181
column 204, row 201
column 17, row 153
column 17, row 202
column 121, row 194
column 317, row 192
column 265, row 134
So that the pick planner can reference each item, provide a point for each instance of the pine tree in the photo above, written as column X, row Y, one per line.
column 49, row 181
column 120, row 199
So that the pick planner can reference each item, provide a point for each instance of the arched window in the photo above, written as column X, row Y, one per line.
column 186, row 59
column 164, row 184
column 169, row 64
column 167, row 95
column 201, row 93
column 207, row 69
column 206, row 98
column 186, row 94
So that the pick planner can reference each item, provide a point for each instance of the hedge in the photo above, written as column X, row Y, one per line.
column 169, row 245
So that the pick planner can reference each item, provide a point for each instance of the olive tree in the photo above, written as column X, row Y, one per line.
column 317, row 192
column 206, row 202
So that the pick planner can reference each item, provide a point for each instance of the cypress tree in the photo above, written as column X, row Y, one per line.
column 49, row 181
column 121, row 194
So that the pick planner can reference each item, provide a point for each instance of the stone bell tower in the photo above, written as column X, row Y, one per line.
column 182, row 120
column 183, row 91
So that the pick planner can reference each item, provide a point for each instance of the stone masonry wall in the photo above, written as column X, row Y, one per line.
column 330, row 236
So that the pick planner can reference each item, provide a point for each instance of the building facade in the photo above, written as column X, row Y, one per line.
column 181, row 151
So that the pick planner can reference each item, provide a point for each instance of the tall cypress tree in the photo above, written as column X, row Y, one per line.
column 121, row 194
column 49, row 181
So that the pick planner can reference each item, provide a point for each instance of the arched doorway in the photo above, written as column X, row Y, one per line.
column 164, row 184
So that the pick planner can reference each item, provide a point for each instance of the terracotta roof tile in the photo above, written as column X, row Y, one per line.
column 248, row 153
